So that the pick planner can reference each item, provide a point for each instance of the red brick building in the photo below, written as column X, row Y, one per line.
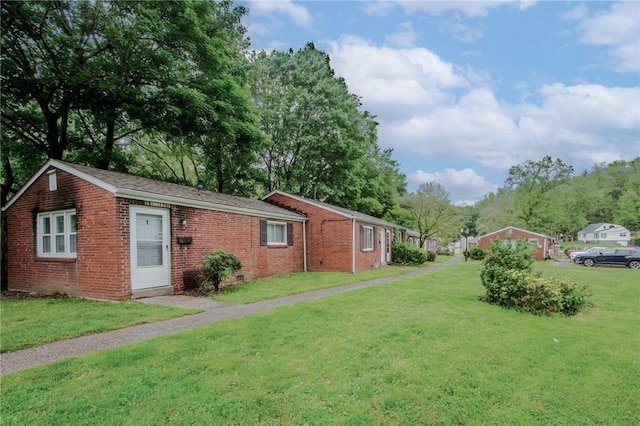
column 339, row 239
column 545, row 245
column 107, row 235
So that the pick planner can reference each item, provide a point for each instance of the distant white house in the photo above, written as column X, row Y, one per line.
column 605, row 233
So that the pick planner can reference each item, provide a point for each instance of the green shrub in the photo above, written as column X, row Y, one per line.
column 218, row 266
column 431, row 256
column 510, row 282
column 533, row 293
column 446, row 252
column 408, row 254
column 477, row 253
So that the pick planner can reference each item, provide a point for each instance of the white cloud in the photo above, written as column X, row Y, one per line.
column 465, row 184
column 460, row 31
column 577, row 13
column 405, row 37
column 618, row 27
column 378, row 8
column 298, row 13
column 426, row 106
column 470, row 8
column 394, row 78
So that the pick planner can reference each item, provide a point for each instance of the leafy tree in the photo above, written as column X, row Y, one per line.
column 319, row 143
column 311, row 121
column 627, row 212
column 431, row 212
column 606, row 193
column 81, row 77
column 169, row 159
column 532, row 181
column 470, row 216
column 497, row 211
column 70, row 70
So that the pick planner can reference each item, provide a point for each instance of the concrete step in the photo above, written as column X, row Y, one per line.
column 152, row 292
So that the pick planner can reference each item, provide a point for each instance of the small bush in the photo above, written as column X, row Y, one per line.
column 540, row 295
column 408, row 254
column 477, row 253
column 218, row 266
column 446, row 252
column 431, row 256
column 510, row 282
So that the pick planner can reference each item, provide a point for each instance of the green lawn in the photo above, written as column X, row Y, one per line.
column 422, row 350
column 32, row 322
column 303, row 282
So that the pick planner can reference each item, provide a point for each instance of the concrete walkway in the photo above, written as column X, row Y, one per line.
column 12, row 362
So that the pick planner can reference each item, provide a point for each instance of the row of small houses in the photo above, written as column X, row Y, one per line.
column 107, row 235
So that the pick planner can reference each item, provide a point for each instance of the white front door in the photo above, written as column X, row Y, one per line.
column 383, row 249
column 150, row 239
column 388, row 246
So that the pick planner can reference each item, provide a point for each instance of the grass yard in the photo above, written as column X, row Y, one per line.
column 421, row 350
column 303, row 282
column 32, row 322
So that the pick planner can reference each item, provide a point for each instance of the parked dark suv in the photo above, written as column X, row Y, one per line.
column 614, row 256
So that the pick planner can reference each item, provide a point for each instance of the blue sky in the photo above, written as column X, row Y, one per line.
column 463, row 90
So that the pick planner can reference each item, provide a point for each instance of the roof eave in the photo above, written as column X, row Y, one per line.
column 64, row 167
column 158, row 198
column 308, row 201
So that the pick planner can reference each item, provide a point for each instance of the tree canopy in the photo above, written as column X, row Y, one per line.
column 544, row 197
column 170, row 90
column 319, row 143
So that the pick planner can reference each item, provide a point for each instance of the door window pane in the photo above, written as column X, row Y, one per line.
column 149, row 240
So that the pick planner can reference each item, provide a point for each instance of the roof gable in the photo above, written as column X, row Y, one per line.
column 516, row 229
column 591, row 227
column 141, row 188
column 597, row 227
column 351, row 214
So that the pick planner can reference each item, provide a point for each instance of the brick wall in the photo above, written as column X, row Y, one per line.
column 97, row 271
column 515, row 234
column 329, row 238
column 235, row 233
column 102, row 268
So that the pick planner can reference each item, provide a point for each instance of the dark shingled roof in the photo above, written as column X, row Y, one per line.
column 137, row 187
column 349, row 213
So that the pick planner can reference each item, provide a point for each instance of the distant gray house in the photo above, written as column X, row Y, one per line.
column 605, row 233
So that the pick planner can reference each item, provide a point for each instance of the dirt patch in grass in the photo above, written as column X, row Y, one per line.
column 20, row 295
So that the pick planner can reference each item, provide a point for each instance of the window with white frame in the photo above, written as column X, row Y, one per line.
column 366, row 238
column 57, row 234
column 276, row 233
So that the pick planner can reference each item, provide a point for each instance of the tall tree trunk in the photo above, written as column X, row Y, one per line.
column 219, row 174
column 7, row 187
column 105, row 158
